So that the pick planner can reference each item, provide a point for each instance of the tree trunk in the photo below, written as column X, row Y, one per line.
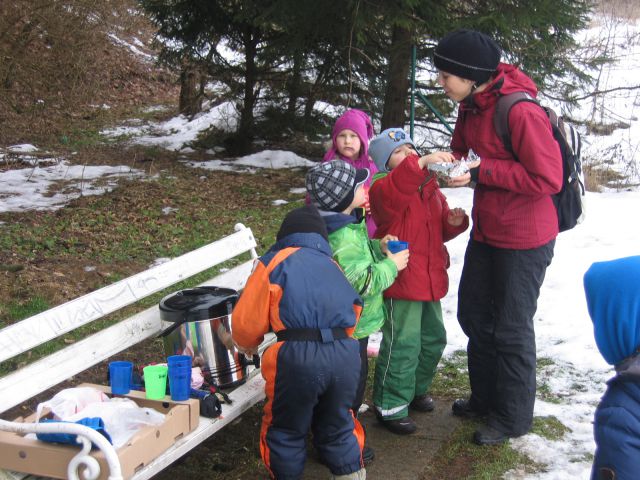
column 245, row 127
column 397, row 91
column 323, row 69
column 190, row 94
column 294, row 84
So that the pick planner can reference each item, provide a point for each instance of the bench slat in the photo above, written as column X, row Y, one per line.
column 19, row 386
column 31, row 332
column 243, row 397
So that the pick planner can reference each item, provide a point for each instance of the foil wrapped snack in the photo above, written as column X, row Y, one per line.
column 454, row 169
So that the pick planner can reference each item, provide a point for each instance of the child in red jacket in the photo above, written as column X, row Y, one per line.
column 407, row 202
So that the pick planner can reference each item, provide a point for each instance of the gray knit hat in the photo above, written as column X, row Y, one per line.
column 382, row 146
column 332, row 185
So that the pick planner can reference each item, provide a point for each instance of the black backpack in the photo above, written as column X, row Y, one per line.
column 569, row 201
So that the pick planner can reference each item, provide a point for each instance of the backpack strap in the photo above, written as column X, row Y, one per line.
column 501, row 115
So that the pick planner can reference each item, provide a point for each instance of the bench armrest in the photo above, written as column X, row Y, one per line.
column 86, row 436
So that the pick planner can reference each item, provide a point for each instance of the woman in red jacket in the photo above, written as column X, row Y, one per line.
column 514, row 229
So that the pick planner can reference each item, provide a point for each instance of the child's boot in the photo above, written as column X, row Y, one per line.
column 359, row 475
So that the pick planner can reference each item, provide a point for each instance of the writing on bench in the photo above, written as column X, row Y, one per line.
column 37, row 377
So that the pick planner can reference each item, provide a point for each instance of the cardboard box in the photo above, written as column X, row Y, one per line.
column 49, row 459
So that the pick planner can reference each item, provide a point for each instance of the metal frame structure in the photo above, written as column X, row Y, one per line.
column 416, row 93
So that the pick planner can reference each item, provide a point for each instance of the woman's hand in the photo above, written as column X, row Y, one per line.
column 465, row 179
column 461, row 181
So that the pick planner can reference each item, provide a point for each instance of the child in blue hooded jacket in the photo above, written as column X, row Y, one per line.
column 613, row 298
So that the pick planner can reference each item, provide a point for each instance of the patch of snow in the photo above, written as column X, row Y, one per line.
column 22, row 148
column 31, row 188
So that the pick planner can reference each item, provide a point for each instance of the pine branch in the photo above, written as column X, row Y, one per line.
column 595, row 93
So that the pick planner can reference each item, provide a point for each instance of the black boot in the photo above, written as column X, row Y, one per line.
column 422, row 403
column 400, row 426
column 487, row 435
column 367, row 455
column 463, row 408
column 367, row 452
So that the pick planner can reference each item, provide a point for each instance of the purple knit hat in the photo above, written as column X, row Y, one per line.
column 359, row 122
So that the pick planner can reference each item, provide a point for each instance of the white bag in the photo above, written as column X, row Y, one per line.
column 70, row 401
column 122, row 418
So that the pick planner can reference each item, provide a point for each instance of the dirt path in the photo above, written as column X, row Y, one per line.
column 400, row 457
column 233, row 453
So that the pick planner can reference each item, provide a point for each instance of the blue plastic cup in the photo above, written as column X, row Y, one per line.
column 178, row 360
column 120, row 377
column 179, row 382
column 396, row 246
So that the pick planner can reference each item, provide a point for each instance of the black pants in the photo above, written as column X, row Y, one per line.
column 497, row 300
column 364, row 372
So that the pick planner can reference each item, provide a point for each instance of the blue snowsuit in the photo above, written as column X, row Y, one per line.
column 613, row 298
column 296, row 286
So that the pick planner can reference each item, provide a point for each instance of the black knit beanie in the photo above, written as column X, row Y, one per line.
column 305, row 219
column 467, row 54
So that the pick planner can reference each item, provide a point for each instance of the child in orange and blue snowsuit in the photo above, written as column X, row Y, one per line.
column 311, row 373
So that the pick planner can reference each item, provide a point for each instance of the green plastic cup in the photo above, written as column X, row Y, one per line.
column 155, row 381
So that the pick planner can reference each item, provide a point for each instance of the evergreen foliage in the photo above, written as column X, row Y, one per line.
column 286, row 55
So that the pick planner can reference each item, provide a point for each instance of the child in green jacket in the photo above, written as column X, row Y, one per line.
column 337, row 189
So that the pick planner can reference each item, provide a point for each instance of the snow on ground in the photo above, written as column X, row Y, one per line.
column 134, row 47
column 50, row 187
column 178, row 132
column 564, row 331
column 275, row 159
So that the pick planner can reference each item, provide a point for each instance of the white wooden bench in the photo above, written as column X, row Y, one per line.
column 23, row 384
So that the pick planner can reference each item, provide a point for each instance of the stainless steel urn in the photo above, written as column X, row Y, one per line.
column 201, row 328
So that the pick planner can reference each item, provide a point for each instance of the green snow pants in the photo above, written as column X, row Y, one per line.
column 413, row 338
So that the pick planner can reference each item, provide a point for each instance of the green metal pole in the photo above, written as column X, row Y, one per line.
column 431, row 107
column 413, row 90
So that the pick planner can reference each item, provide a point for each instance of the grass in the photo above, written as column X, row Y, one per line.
column 45, row 254
column 460, row 458
column 18, row 310
column 549, row 427
column 133, row 224
column 451, row 379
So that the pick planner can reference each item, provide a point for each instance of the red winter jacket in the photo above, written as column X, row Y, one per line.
column 408, row 203
column 512, row 206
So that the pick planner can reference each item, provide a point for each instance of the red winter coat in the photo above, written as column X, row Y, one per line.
column 408, row 203
column 512, row 206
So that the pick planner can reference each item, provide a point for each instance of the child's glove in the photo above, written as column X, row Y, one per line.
column 246, row 351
